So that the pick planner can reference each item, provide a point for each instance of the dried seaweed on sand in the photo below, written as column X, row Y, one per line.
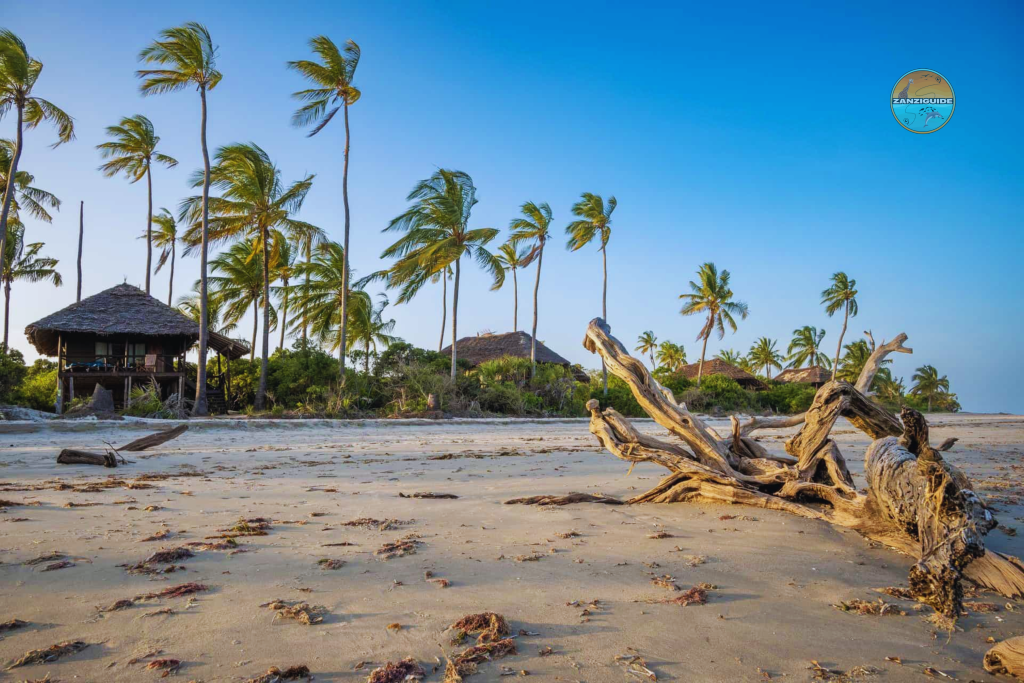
column 376, row 524
column 855, row 674
column 174, row 591
column 429, row 495
column 302, row 612
column 257, row 526
column 330, row 563
column 50, row 654
column 63, row 564
column 398, row 548
column 12, row 624
column 169, row 556
column 406, row 670
column 697, row 595
column 167, row 665
column 465, row 663
column 880, row 608
column 569, row 499
column 48, row 557
column 490, row 626
column 276, row 675
column 118, row 606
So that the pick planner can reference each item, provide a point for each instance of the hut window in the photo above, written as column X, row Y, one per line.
column 136, row 349
column 103, row 349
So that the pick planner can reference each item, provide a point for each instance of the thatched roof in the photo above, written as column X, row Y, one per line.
column 490, row 346
column 717, row 366
column 812, row 375
column 122, row 310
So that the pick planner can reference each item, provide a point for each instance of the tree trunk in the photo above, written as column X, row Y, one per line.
column 7, row 309
column 284, row 314
column 255, row 320
column 10, row 189
column 149, row 223
column 344, row 293
column 536, row 291
column 515, row 302
column 700, row 366
column 915, row 502
column 309, row 260
column 444, row 306
column 261, row 391
column 604, row 311
column 455, row 315
column 366, row 361
column 839, row 346
column 81, row 238
column 170, row 283
column 200, row 407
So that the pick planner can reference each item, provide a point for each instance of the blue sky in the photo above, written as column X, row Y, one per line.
column 755, row 135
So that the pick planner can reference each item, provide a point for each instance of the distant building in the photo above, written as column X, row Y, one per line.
column 815, row 376
column 716, row 366
column 490, row 346
column 122, row 337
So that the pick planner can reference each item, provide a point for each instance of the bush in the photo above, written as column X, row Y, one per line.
column 12, row 373
column 788, row 398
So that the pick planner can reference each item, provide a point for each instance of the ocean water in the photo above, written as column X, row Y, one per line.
column 916, row 116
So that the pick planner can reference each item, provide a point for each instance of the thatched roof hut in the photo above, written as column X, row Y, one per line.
column 490, row 346
column 815, row 376
column 717, row 366
column 123, row 311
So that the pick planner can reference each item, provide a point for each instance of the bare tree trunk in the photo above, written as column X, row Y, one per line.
column 344, row 294
column 455, row 315
column 261, row 391
column 839, row 346
column 9, row 192
column 284, row 314
column 700, row 366
column 81, row 238
column 444, row 306
column 604, row 311
column 515, row 301
column 170, row 283
column 536, row 291
column 149, row 224
column 7, row 309
column 255, row 320
column 305, row 317
column 200, row 407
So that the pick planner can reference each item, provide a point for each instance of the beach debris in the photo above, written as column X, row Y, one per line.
column 63, row 564
column 226, row 544
column 12, row 624
column 440, row 583
column 429, row 495
column 255, row 526
column 406, row 670
column 665, row 581
column 398, row 548
column 376, row 524
column 981, row 607
column 530, row 557
column 169, row 556
column 118, row 605
column 48, row 557
column 276, row 675
column 545, row 652
column 72, row 456
column 897, row 592
column 155, row 439
column 698, row 595
column 156, row 613
column 636, row 666
column 178, row 591
column 569, row 499
column 568, row 534
column 659, row 535
column 466, row 662
column 1006, row 658
column 158, row 536
column 490, row 626
column 935, row 673
column 695, row 560
column 880, row 608
column 394, row 627
column 327, row 563
column 167, row 665
column 302, row 612
column 50, row 654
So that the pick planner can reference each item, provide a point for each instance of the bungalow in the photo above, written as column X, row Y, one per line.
column 815, row 376
column 717, row 366
column 490, row 346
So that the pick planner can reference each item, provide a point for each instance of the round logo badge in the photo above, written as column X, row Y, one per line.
column 922, row 101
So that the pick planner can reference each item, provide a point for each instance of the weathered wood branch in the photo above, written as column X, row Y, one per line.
column 874, row 363
column 74, row 456
column 154, row 440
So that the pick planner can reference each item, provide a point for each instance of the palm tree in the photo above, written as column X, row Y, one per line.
column 236, row 282
column 18, row 75
column 647, row 343
column 333, row 90
column 854, row 360
column 284, row 270
column 734, row 358
column 23, row 262
column 928, row 384
column 165, row 237
column 764, row 354
column 189, row 60
column 254, row 205
column 533, row 227
column 369, row 328
column 132, row 152
column 840, row 296
column 805, row 347
column 437, row 235
column 595, row 220
column 189, row 306
column 33, row 200
column 888, row 388
column 671, row 356
column 713, row 297
column 513, row 259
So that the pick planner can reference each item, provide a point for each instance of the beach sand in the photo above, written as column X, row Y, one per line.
column 587, row 597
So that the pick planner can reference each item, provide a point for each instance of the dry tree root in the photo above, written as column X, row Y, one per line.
column 1006, row 658
column 50, row 654
column 570, row 499
column 916, row 502
column 406, row 670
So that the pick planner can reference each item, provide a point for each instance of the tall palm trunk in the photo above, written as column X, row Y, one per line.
column 839, row 346
column 81, row 238
column 149, row 225
column 536, row 292
column 7, row 317
column 444, row 307
column 204, row 324
column 455, row 315
column 515, row 302
column 9, row 193
column 604, row 308
column 170, row 285
column 703, row 350
column 255, row 320
column 309, row 260
column 261, row 391
column 344, row 293
column 284, row 314
column 366, row 361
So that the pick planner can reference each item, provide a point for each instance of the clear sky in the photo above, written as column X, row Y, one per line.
column 755, row 135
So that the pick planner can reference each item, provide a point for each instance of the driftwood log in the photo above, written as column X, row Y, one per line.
column 1007, row 658
column 74, row 456
column 915, row 502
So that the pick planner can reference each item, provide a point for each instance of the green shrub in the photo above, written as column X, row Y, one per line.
column 38, row 390
column 12, row 373
column 788, row 398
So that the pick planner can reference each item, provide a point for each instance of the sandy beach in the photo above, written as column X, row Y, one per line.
column 575, row 583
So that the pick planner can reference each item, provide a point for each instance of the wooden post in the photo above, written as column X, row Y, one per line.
column 71, row 389
column 128, row 391
column 227, row 391
column 59, row 407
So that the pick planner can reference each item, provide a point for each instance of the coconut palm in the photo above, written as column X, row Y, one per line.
column 236, row 281
column 33, row 200
column 805, row 347
column 19, row 73
column 254, row 205
column 437, row 235
column 712, row 296
column 514, row 259
column 928, row 384
column 305, row 237
column 595, row 220
column 165, row 237
column 647, row 343
column 764, row 354
column 368, row 327
column 132, row 152
column 533, row 227
column 671, row 356
column 888, row 388
column 840, row 296
column 734, row 358
column 333, row 91
column 190, row 307
column 188, row 59
column 23, row 262
column 854, row 360
column 283, row 270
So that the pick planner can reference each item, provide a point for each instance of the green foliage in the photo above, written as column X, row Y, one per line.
column 719, row 393
column 12, row 373
column 145, row 401
column 788, row 398
column 38, row 390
